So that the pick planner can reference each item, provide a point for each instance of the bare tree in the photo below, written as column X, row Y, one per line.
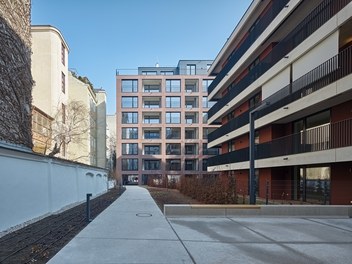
column 71, row 125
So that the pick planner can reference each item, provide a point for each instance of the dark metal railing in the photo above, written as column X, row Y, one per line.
column 232, row 125
column 329, row 72
column 310, row 24
column 324, row 137
column 253, row 35
column 320, row 138
column 230, row 157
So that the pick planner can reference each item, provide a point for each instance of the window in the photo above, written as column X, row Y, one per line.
column 173, row 117
column 191, row 86
column 173, row 133
column 191, row 69
column 129, row 164
column 148, row 72
column 206, row 84
column 173, row 86
column 210, row 151
column 129, row 133
column 63, row 82
column 152, row 150
column 255, row 101
column 173, row 164
column 151, row 134
column 191, row 133
column 191, row 164
column 63, row 53
column 231, row 145
column 167, row 73
column 208, row 66
column 151, row 164
column 151, row 119
column 191, row 102
column 205, row 165
column 207, row 131
column 205, row 118
column 130, row 149
column 129, row 117
column 173, row 102
column 191, row 149
column 205, row 102
column 151, row 103
column 173, row 149
column 63, row 109
column 129, row 102
column 129, row 86
column 151, row 86
column 191, row 118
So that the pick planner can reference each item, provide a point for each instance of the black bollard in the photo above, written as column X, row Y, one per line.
column 88, row 208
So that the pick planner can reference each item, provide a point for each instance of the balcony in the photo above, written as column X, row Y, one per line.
column 253, row 35
column 321, row 14
column 151, row 86
column 191, row 149
column 191, row 86
column 230, row 126
column 325, row 137
column 328, row 72
column 151, row 102
column 191, row 102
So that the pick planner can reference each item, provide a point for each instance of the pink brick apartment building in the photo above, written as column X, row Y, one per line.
column 162, row 125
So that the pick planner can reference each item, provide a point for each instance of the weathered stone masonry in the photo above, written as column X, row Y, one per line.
column 15, row 72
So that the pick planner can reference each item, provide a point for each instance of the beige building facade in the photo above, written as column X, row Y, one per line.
column 65, row 105
column 50, row 90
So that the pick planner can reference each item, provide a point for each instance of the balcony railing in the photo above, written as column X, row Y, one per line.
column 308, row 26
column 328, row 72
column 230, row 157
column 325, row 137
column 250, row 39
column 230, row 126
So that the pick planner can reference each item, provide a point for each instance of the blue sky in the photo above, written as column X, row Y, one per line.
column 105, row 35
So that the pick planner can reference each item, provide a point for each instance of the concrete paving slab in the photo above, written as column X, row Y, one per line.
column 294, row 230
column 338, row 223
column 213, row 229
column 131, row 230
column 101, row 251
column 244, row 253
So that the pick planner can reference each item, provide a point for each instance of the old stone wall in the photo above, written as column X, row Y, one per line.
column 15, row 72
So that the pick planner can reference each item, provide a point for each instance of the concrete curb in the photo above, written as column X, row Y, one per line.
column 196, row 210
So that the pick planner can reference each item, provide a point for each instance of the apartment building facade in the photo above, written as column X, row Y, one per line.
column 287, row 66
column 50, row 90
column 161, row 123
column 66, row 110
column 89, row 145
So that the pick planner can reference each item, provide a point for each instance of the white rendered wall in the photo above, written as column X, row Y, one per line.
column 325, row 50
column 33, row 185
column 276, row 83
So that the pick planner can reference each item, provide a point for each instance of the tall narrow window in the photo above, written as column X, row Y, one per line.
column 63, row 54
column 129, row 86
column 173, row 86
column 63, row 82
column 63, row 109
column 191, row 69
